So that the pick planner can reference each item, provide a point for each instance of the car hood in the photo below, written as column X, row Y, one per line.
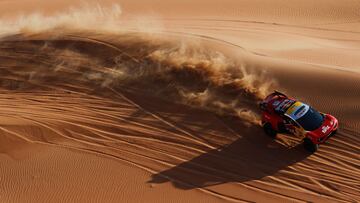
column 330, row 122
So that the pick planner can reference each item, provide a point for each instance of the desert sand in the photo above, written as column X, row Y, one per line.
column 156, row 101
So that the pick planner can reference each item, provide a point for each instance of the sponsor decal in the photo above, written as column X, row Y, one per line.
column 284, row 105
column 324, row 129
column 276, row 103
column 301, row 113
column 293, row 107
column 297, row 110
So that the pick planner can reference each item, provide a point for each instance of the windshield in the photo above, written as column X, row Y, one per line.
column 312, row 120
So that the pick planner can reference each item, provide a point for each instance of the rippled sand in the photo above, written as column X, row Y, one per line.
column 157, row 101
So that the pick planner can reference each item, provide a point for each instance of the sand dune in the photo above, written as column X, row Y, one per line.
column 164, row 108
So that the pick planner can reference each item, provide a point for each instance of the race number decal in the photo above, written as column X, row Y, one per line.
column 324, row 129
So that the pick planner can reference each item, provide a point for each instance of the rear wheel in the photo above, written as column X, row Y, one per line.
column 269, row 130
column 282, row 128
column 310, row 146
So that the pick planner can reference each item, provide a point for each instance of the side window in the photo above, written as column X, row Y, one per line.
column 290, row 121
column 287, row 120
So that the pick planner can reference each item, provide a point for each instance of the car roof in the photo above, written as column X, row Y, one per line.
column 283, row 105
column 297, row 110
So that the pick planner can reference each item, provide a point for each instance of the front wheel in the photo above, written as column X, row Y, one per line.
column 269, row 130
column 310, row 146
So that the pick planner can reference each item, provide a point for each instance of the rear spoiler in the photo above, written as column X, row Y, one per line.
column 279, row 93
column 263, row 104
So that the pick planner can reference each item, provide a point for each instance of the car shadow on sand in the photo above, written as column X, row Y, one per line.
column 252, row 156
column 243, row 151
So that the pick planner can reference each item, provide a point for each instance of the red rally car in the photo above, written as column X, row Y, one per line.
column 281, row 114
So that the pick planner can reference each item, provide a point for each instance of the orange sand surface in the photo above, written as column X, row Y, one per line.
column 156, row 101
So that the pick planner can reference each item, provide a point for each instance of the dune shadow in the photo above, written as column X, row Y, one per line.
column 253, row 156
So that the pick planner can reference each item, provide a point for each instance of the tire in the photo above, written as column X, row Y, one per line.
column 282, row 128
column 335, row 132
column 310, row 146
column 269, row 130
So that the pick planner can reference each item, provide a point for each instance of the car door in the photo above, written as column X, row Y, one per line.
column 293, row 127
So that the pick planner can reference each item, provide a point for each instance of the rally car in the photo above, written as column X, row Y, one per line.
column 281, row 114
